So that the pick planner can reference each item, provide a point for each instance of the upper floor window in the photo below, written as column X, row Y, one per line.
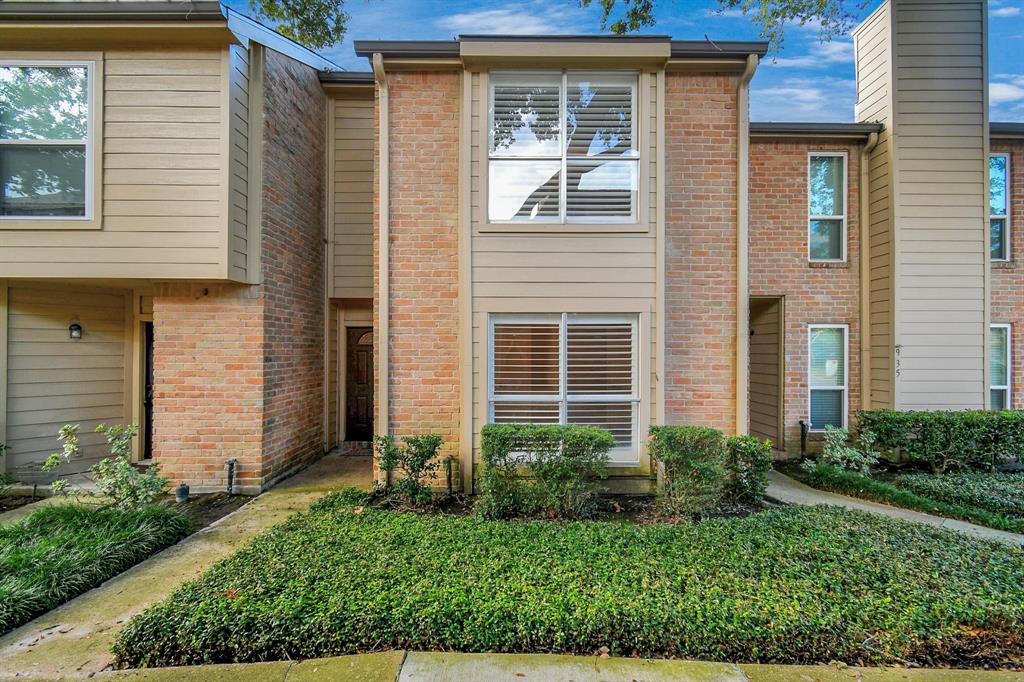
column 562, row 148
column 999, row 204
column 826, row 201
column 45, row 140
column 999, row 367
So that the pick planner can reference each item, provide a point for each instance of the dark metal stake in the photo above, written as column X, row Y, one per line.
column 803, row 438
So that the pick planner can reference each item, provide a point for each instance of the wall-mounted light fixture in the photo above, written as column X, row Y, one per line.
column 75, row 330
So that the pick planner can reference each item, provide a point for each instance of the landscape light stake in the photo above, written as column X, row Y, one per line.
column 231, row 475
column 803, row 439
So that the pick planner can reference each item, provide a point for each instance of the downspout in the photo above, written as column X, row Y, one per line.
column 864, row 224
column 384, row 245
column 742, row 244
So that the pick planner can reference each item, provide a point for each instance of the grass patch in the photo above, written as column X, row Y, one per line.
column 59, row 552
column 923, row 492
column 795, row 585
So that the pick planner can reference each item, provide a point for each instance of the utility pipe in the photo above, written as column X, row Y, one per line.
column 864, row 224
column 742, row 244
column 384, row 246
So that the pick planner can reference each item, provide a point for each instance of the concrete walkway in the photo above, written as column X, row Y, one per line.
column 75, row 639
column 453, row 667
column 790, row 491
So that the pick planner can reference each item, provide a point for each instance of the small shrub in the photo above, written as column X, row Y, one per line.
column 542, row 469
column 415, row 460
column 949, row 441
column 694, row 476
column 115, row 477
column 748, row 461
column 837, row 452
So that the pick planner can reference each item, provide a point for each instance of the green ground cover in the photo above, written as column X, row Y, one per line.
column 59, row 552
column 794, row 585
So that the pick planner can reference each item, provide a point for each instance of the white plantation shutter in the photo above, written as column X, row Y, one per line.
column 827, row 376
column 563, row 147
column 999, row 367
column 567, row 369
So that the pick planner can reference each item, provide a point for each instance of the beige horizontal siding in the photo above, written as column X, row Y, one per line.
column 54, row 380
column 940, row 197
column 238, row 171
column 352, row 187
column 164, row 203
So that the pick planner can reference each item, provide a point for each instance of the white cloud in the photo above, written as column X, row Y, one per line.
column 1001, row 93
column 822, row 55
column 506, row 21
column 1005, row 12
column 804, row 99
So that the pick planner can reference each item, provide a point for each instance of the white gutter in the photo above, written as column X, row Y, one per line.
column 742, row 244
column 384, row 245
column 864, row 223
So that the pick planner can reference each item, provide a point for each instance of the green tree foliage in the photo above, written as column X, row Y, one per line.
column 314, row 23
column 833, row 17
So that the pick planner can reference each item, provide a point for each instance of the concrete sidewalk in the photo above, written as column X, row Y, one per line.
column 75, row 639
column 454, row 667
column 790, row 491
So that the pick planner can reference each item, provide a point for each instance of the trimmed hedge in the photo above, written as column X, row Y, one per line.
column 541, row 469
column 748, row 461
column 59, row 552
column 944, row 440
column 827, row 477
column 996, row 493
column 794, row 584
column 693, row 460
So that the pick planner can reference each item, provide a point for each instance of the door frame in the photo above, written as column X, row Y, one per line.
column 138, row 370
column 349, row 316
column 781, row 366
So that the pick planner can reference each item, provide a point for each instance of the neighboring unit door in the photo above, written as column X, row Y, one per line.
column 147, row 391
column 359, row 384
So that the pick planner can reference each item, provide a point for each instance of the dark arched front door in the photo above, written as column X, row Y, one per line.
column 359, row 385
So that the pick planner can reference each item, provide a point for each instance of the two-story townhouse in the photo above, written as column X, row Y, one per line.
column 581, row 229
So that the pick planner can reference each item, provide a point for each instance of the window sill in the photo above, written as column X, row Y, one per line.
column 829, row 265
column 1004, row 265
column 42, row 224
column 560, row 228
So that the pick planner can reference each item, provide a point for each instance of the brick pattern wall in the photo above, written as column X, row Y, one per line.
column 1007, row 287
column 700, row 276
column 293, row 261
column 239, row 370
column 424, row 318
column 815, row 293
column 208, row 378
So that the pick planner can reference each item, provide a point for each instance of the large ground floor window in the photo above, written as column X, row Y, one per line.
column 567, row 369
column 999, row 367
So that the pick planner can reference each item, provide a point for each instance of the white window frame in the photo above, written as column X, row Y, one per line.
column 632, row 78
column 1005, row 218
column 563, row 397
column 90, row 192
column 1009, row 364
column 845, row 388
column 843, row 218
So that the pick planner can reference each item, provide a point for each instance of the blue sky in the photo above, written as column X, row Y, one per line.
column 807, row 81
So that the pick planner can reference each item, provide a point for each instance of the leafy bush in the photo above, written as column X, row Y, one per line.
column 694, row 475
column 417, row 462
column 792, row 585
column 541, row 469
column 827, row 477
column 59, row 552
column 998, row 493
column 748, row 461
column 115, row 477
column 941, row 440
column 836, row 452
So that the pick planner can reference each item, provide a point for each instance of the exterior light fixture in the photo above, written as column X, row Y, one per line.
column 75, row 330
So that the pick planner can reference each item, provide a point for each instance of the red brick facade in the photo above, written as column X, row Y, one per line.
column 239, row 370
column 424, row 318
column 700, row 250
column 1007, row 288
column 814, row 293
